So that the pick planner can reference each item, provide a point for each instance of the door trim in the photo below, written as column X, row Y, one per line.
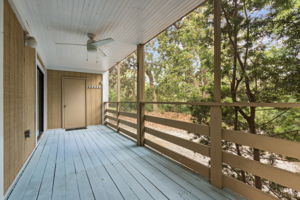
column 63, row 101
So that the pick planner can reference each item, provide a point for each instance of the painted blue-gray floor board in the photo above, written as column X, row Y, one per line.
column 98, row 163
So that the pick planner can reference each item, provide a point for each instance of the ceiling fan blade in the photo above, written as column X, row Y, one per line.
column 102, row 52
column 100, row 43
column 70, row 44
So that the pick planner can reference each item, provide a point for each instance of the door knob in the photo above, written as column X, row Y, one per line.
column 65, row 106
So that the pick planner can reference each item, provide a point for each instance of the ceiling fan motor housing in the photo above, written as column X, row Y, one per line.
column 91, row 47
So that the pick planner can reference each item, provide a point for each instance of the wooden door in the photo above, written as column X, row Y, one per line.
column 74, row 103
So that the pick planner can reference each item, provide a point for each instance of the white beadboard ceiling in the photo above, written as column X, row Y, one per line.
column 128, row 22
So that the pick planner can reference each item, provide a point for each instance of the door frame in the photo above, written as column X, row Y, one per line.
column 39, row 66
column 63, row 101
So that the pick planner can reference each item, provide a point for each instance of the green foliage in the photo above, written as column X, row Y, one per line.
column 260, row 63
column 113, row 84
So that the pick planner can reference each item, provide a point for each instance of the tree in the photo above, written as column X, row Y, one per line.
column 260, row 63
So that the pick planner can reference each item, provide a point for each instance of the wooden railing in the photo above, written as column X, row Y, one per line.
column 273, row 145
column 117, row 121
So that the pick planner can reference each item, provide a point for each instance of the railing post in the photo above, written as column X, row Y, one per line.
column 216, row 176
column 105, row 107
column 118, row 96
column 215, row 130
column 140, row 94
column 118, row 83
column 118, row 113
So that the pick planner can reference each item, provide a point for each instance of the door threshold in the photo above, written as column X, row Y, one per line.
column 75, row 129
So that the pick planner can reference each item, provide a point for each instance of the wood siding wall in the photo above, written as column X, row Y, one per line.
column 94, row 97
column 19, row 97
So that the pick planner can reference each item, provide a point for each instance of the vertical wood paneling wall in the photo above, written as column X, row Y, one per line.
column 19, row 97
column 30, row 97
column 94, row 97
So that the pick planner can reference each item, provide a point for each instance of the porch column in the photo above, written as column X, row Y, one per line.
column 140, row 94
column 118, row 83
column 216, row 177
column 118, row 94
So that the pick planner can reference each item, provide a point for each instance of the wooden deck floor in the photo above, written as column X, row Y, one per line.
column 98, row 163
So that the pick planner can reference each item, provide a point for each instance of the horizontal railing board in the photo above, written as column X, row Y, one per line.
column 111, row 118
column 127, row 123
column 275, row 145
column 233, row 104
column 277, row 175
column 191, row 127
column 128, row 114
column 196, row 147
column 120, row 102
column 188, row 162
column 245, row 190
column 129, row 133
column 111, row 111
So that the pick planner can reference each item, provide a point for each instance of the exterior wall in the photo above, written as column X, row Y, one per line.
column 105, row 90
column 30, row 98
column 19, row 97
column 54, row 95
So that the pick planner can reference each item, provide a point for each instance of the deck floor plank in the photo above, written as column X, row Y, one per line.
column 72, row 189
column 121, row 184
column 34, row 185
column 170, row 188
column 137, row 187
column 173, row 177
column 59, row 185
column 85, row 189
column 47, row 182
column 96, row 182
column 175, row 172
column 99, row 164
column 155, row 158
column 142, row 180
column 111, row 190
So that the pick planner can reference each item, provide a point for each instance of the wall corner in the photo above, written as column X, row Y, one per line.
column 105, row 91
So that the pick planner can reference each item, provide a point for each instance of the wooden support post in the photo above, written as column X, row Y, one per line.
column 118, row 115
column 118, row 95
column 118, row 83
column 216, row 177
column 140, row 95
column 105, row 107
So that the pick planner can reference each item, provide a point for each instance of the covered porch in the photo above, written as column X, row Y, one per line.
column 63, row 136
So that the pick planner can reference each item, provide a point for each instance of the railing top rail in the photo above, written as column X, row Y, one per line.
column 234, row 104
column 120, row 102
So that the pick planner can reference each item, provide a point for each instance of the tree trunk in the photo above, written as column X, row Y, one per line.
column 154, row 96
column 237, row 146
column 256, row 152
column 235, row 84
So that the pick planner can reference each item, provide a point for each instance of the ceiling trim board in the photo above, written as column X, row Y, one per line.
column 71, row 69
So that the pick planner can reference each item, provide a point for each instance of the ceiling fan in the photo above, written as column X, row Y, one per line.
column 92, row 45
